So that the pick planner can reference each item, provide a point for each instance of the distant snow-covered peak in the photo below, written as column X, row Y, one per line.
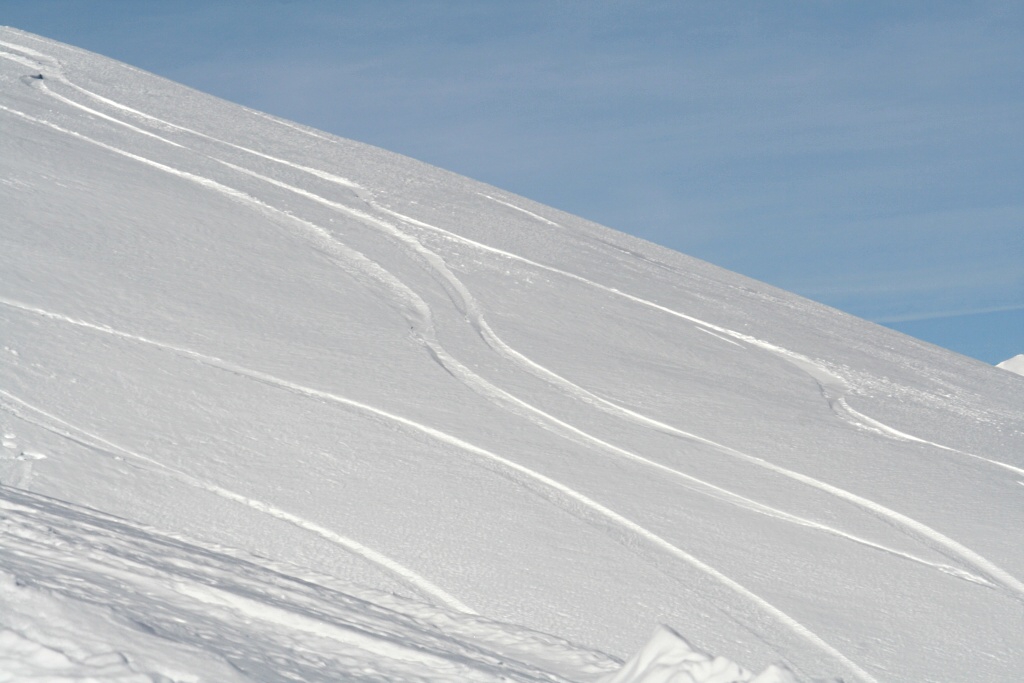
column 1015, row 364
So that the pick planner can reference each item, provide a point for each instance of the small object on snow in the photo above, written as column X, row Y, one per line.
column 38, row 77
column 668, row 658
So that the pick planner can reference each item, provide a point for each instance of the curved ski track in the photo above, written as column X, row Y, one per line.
column 403, row 573
column 863, row 421
column 422, row 320
column 118, row 549
column 468, row 306
column 566, row 497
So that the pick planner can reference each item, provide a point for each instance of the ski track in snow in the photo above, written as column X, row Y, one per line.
column 86, row 438
column 461, row 295
column 437, row 262
column 531, row 214
column 930, row 537
column 813, row 368
column 717, row 336
column 865, row 422
column 468, row 305
column 123, row 560
column 922, row 532
column 520, row 473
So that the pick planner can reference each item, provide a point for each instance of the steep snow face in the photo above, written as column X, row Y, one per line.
column 1015, row 364
column 253, row 336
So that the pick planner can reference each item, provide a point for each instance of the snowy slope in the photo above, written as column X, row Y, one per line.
column 264, row 356
column 1015, row 364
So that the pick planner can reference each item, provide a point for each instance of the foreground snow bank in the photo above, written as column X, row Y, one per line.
column 668, row 658
column 89, row 598
column 85, row 596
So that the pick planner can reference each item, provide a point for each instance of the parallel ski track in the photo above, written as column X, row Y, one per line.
column 570, row 498
column 483, row 329
column 921, row 530
column 718, row 336
column 118, row 547
column 923, row 533
column 68, row 431
column 468, row 305
column 630, row 526
column 567, row 492
column 438, row 263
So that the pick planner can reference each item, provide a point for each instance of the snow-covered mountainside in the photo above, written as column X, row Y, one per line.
column 280, row 406
column 1015, row 364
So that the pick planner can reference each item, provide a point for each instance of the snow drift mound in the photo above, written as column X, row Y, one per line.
column 668, row 658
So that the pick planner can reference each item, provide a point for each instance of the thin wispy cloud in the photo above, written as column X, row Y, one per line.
column 936, row 315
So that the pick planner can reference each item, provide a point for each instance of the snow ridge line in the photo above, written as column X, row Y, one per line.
column 702, row 325
column 914, row 438
column 548, row 421
column 436, row 434
column 921, row 531
column 439, row 353
column 410, row 577
column 53, row 63
column 475, row 381
column 435, row 261
column 431, row 257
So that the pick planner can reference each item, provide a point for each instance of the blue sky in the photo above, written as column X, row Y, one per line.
column 866, row 155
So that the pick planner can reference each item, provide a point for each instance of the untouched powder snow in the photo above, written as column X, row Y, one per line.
column 280, row 406
column 1015, row 364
